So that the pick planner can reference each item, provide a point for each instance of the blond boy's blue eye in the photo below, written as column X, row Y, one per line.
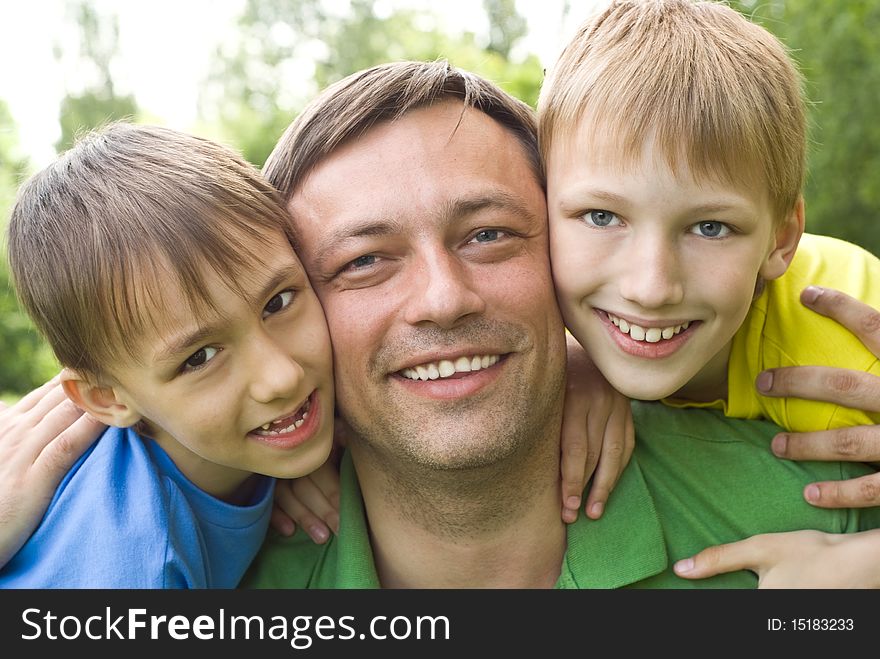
column 278, row 302
column 711, row 229
column 601, row 218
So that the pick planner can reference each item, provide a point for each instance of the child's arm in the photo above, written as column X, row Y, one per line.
column 312, row 502
column 810, row 559
column 797, row 559
column 41, row 437
column 854, row 389
column 597, row 435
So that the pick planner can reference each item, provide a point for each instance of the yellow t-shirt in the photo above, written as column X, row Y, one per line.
column 780, row 331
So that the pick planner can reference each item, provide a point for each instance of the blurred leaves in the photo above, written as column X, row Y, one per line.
column 287, row 51
column 25, row 360
column 838, row 51
column 98, row 103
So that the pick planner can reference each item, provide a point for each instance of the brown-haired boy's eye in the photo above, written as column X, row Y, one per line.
column 199, row 358
column 278, row 302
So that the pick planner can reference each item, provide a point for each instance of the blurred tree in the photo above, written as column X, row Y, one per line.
column 98, row 102
column 839, row 54
column 25, row 360
column 506, row 26
column 286, row 52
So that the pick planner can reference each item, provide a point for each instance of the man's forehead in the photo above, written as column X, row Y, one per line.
column 430, row 158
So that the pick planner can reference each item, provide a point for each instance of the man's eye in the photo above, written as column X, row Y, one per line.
column 711, row 229
column 487, row 235
column 199, row 358
column 601, row 218
column 362, row 262
column 277, row 303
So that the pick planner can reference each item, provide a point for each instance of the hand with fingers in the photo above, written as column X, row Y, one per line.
column 797, row 559
column 810, row 559
column 41, row 437
column 312, row 502
column 597, row 436
column 850, row 388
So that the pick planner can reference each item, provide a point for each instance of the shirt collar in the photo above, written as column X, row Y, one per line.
column 623, row 547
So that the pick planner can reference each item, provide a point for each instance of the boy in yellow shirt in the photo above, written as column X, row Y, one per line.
column 674, row 137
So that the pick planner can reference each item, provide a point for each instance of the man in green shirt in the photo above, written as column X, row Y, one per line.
column 423, row 227
column 417, row 195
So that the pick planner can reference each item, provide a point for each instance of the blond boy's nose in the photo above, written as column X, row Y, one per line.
column 653, row 280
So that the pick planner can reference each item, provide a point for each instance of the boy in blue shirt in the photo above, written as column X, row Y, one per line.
column 159, row 267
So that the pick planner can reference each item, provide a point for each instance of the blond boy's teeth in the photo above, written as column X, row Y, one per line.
column 445, row 367
column 648, row 334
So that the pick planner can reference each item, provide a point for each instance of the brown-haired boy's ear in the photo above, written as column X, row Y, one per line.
column 787, row 236
column 101, row 402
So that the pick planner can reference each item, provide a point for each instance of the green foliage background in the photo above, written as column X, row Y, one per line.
column 284, row 52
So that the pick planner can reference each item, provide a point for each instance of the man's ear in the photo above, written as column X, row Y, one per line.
column 101, row 402
column 786, row 238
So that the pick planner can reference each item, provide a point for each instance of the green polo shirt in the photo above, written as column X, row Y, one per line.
column 696, row 479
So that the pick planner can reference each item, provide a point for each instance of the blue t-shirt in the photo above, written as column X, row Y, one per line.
column 126, row 517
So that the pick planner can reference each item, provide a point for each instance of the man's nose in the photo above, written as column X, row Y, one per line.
column 442, row 291
column 274, row 373
column 652, row 278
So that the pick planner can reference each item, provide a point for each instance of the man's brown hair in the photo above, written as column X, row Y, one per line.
column 350, row 107
column 95, row 236
column 712, row 89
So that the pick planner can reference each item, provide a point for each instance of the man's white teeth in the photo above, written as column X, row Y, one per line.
column 650, row 334
column 444, row 368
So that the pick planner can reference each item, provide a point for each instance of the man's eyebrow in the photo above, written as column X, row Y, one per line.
column 363, row 228
column 494, row 200
column 194, row 338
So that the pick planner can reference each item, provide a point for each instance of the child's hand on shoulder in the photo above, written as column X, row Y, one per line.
column 597, row 436
column 312, row 502
column 41, row 438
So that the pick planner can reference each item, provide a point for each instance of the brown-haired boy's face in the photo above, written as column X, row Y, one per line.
column 655, row 270
column 207, row 386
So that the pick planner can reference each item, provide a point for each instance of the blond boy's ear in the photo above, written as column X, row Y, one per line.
column 787, row 237
column 102, row 402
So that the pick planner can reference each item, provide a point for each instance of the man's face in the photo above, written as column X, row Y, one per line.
column 427, row 245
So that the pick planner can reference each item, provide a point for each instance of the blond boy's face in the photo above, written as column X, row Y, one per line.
column 209, row 386
column 655, row 271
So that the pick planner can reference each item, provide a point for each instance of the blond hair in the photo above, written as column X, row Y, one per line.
column 699, row 79
column 95, row 236
column 350, row 107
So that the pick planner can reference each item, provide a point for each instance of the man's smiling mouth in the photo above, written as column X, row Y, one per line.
column 446, row 368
